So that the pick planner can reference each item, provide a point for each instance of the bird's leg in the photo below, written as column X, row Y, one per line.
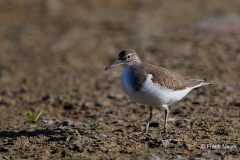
column 149, row 120
column 165, row 120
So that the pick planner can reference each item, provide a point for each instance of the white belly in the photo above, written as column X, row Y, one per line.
column 151, row 93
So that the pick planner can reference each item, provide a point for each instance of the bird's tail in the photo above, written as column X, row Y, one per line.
column 212, row 84
column 198, row 82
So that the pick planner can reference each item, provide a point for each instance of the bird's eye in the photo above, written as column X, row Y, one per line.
column 129, row 56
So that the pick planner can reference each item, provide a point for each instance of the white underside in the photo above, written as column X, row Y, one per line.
column 152, row 93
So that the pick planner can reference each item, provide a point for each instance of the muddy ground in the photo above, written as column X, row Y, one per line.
column 52, row 58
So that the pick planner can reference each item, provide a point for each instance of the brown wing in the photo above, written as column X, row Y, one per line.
column 169, row 78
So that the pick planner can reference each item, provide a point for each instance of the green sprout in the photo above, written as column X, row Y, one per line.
column 33, row 118
column 94, row 126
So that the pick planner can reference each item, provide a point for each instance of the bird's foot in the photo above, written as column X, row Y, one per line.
column 164, row 130
column 144, row 131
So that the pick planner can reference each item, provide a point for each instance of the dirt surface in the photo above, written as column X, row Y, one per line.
column 52, row 58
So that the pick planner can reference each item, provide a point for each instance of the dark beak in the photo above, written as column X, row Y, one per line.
column 116, row 63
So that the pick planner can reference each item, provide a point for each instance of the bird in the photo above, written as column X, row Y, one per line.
column 152, row 85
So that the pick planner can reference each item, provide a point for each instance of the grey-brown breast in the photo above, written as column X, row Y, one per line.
column 138, row 76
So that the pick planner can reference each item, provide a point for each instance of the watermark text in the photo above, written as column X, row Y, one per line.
column 219, row 146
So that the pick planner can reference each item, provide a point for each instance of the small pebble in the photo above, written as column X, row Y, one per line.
column 153, row 157
column 46, row 97
column 115, row 96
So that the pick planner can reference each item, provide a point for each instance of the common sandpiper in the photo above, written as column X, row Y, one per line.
column 152, row 85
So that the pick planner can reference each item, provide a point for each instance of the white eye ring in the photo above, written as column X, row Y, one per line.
column 129, row 56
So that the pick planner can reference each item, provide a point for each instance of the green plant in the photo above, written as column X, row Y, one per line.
column 33, row 118
column 94, row 126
